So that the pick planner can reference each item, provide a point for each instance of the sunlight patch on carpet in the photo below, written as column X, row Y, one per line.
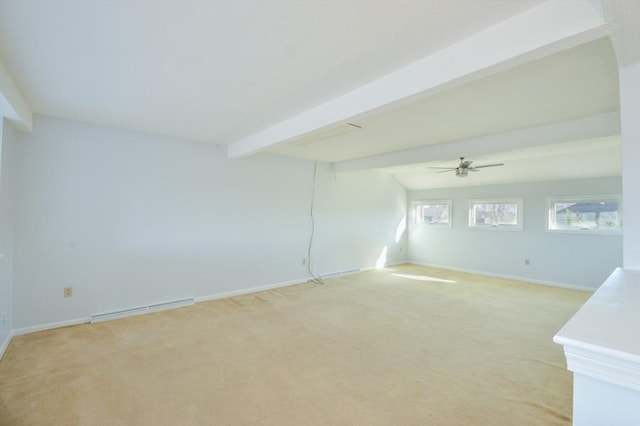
column 424, row 278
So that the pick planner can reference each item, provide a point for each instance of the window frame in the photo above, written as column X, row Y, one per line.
column 471, row 223
column 550, row 218
column 418, row 217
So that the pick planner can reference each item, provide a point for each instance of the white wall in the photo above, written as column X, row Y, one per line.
column 129, row 219
column 7, row 172
column 583, row 260
column 350, row 207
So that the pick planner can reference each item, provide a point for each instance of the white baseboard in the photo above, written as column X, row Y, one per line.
column 215, row 296
column 257, row 289
column 249, row 290
column 507, row 277
column 340, row 273
column 49, row 326
column 386, row 265
column 357, row 270
column 5, row 343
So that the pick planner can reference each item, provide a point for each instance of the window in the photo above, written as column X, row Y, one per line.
column 593, row 214
column 437, row 213
column 496, row 214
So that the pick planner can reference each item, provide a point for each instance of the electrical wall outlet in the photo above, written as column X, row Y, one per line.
column 527, row 262
column 68, row 291
column 304, row 262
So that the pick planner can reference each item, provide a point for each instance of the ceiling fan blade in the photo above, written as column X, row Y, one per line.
column 487, row 165
column 464, row 167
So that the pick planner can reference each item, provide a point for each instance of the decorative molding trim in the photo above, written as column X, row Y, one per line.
column 504, row 276
column 620, row 370
column 601, row 341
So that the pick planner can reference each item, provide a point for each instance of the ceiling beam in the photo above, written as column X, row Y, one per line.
column 625, row 29
column 510, row 41
column 595, row 126
column 12, row 104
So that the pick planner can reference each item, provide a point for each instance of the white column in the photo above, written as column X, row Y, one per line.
column 630, row 126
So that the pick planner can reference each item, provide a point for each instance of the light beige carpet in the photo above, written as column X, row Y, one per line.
column 405, row 346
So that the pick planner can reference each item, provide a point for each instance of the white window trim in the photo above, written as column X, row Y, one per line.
column 518, row 201
column 578, row 198
column 418, row 221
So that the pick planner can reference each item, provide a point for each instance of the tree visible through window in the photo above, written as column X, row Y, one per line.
column 433, row 212
column 496, row 213
column 584, row 214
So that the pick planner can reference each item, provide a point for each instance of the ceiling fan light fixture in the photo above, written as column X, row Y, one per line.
column 464, row 167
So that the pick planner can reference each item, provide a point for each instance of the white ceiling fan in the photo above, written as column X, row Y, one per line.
column 465, row 167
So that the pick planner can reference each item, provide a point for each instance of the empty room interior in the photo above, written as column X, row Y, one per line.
column 320, row 213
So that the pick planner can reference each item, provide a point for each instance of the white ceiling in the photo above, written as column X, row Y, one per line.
column 573, row 83
column 225, row 70
column 599, row 157
column 221, row 70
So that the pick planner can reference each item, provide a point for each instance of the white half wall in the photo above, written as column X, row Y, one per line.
column 7, row 182
column 129, row 219
column 579, row 260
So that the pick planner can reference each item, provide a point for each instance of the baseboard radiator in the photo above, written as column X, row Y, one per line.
column 139, row 310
